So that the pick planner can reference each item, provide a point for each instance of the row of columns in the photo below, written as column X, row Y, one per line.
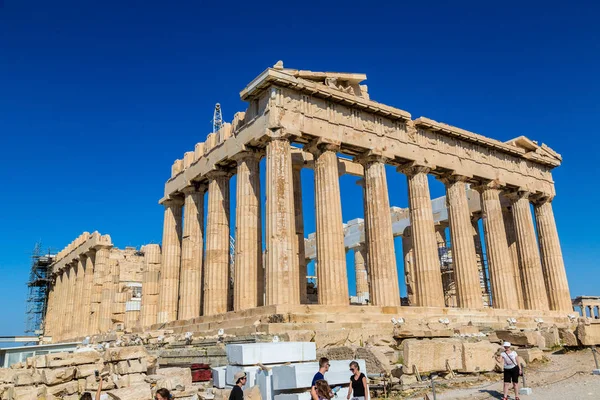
column 542, row 283
column 79, row 301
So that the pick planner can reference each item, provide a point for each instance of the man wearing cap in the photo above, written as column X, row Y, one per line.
column 512, row 369
column 240, row 380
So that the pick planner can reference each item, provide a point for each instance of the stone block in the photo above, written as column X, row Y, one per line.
column 218, row 377
column 431, row 354
column 62, row 390
column 54, row 360
column 26, row 392
column 567, row 337
column 299, row 376
column 270, row 353
column 588, row 335
column 466, row 330
column 83, row 371
column 264, row 380
column 529, row 355
column 525, row 391
column 6, row 375
column 137, row 392
column 91, row 384
column 27, row 377
column 337, row 353
column 5, row 390
column 375, row 359
column 39, row 361
column 478, row 357
column 126, row 353
column 231, row 370
column 173, row 377
column 522, row 338
column 130, row 380
column 551, row 337
column 134, row 366
column 54, row 376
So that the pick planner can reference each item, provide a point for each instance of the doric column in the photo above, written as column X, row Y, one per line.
column 504, row 292
column 50, row 309
column 409, row 264
column 96, row 296
column 466, row 273
column 86, row 298
column 332, row 279
column 216, row 276
column 378, row 233
column 190, row 278
column 281, row 273
column 58, row 319
column 101, row 261
column 360, row 269
column 511, row 239
column 171, row 262
column 248, row 278
column 117, row 310
column 70, row 320
column 150, row 284
column 535, row 295
column 299, row 223
column 428, row 280
column 552, row 260
column 78, row 325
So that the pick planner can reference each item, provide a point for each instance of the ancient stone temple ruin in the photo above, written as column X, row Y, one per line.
column 326, row 121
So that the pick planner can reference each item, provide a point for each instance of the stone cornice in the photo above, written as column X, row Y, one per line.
column 84, row 243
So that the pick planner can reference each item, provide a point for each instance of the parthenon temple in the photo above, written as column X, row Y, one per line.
column 326, row 121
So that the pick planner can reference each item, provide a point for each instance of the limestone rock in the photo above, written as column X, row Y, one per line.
column 54, row 376
column 62, row 390
column 6, row 375
column 126, row 353
column 131, row 366
column 567, row 337
column 377, row 361
column 67, row 359
column 337, row 353
column 529, row 355
column 26, row 392
column 478, row 357
column 27, row 378
column 86, row 370
column 431, row 354
column 522, row 338
column 173, row 377
column 252, row 393
column 588, row 335
column 137, row 392
column 551, row 337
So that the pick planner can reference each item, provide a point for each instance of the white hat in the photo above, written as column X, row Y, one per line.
column 239, row 375
column 506, row 344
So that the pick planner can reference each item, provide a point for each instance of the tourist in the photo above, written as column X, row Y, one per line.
column 321, row 390
column 163, row 394
column 88, row 395
column 512, row 369
column 240, row 380
column 323, row 367
column 359, row 388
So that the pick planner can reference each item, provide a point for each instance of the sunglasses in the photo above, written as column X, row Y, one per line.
column 352, row 369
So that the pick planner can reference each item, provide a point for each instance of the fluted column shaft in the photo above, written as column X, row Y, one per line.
column 96, row 298
column 379, row 236
column 553, row 264
column 190, row 279
column 332, row 279
column 248, row 279
column 428, row 279
column 466, row 273
column 50, row 310
column 70, row 320
column 150, row 285
column 216, row 277
column 360, row 270
column 102, row 256
column 299, row 223
column 535, row 295
column 511, row 239
column 117, row 310
column 78, row 314
column 409, row 265
column 168, row 300
column 86, row 298
column 282, row 266
column 59, row 317
column 504, row 291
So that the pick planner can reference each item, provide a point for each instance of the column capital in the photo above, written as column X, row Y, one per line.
column 541, row 198
column 218, row 173
column 369, row 157
column 516, row 195
column 173, row 202
column 321, row 145
column 194, row 188
column 451, row 177
column 413, row 168
column 90, row 253
column 248, row 152
column 488, row 184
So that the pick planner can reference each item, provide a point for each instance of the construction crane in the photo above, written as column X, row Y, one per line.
column 217, row 118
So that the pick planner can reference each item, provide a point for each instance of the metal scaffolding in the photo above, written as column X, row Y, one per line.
column 38, row 288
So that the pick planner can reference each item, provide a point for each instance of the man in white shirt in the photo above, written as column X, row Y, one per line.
column 512, row 369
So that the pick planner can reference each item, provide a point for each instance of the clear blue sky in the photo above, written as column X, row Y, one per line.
column 97, row 98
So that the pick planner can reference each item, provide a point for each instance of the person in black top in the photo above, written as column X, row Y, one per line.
column 240, row 380
column 359, row 388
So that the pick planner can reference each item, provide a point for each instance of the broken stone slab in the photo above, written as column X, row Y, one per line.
column 91, row 384
column 27, row 377
column 431, row 354
column 137, row 392
column 126, row 353
column 522, row 338
column 271, row 353
column 588, row 335
column 6, row 375
column 411, row 333
column 337, row 353
column 130, row 380
column 54, row 360
column 134, row 366
column 83, row 371
column 551, row 337
column 299, row 376
column 62, row 390
column 173, row 377
column 567, row 337
column 26, row 392
column 375, row 359
column 529, row 355
column 478, row 357
column 54, row 376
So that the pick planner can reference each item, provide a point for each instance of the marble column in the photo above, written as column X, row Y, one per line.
column 117, row 310
column 168, row 299
column 150, row 284
column 48, row 324
column 466, row 273
column 249, row 276
column 332, row 279
column 190, row 279
column 378, row 233
column 86, row 299
column 535, row 295
column 60, row 312
column 552, row 260
column 299, row 223
column 96, row 297
column 216, row 276
column 78, row 326
column 360, row 270
column 282, row 266
column 511, row 239
column 504, row 291
column 428, row 279
column 102, row 256
column 409, row 265
column 70, row 321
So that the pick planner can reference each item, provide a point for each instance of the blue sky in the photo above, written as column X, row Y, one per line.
column 97, row 98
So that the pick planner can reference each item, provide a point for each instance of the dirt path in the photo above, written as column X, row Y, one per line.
column 566, row 377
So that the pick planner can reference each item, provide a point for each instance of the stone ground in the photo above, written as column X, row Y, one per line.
column 565, row 376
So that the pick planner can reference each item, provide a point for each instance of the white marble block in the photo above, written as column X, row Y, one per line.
column 270, row 353
column 298, row 376
column 218, row 377
column 342, row 394
column 251, row 372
